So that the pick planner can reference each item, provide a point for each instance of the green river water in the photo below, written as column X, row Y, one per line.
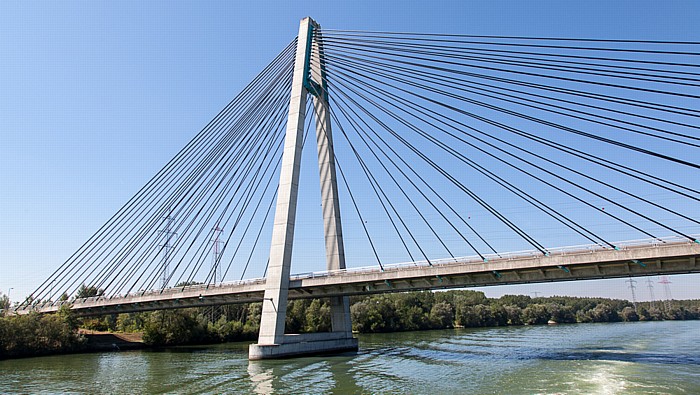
column 620, row 358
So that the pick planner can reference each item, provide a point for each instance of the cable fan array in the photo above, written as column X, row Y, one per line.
column 588, row 141
column 445, row 146
column 224, row 178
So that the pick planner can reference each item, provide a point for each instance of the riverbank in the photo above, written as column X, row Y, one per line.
column 107, row 341
column 91, row 342
column 35, row 334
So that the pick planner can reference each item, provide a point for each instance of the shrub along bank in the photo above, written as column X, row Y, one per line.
column 35, row 334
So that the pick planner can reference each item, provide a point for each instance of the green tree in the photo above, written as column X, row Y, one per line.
column 374, row 314
column 655, row 314
column 296, row 315
column 628, row 314
column 514, row 315
column 521, row 301
column 175, row 327
column 4, row 335
column 226, row 331
column 676, row 313
column 499, row 314
column 470, row 298
column 68, row 317
column 475, row 316
column 535, row 314
column 131, row 322
column 35, row 334
column 88, row 292
column 4, row 304
column 442, row 315
column 561, row 314
column 642, row 313
column 318, row 317
column 413, row 309
column 603, row 313
column 251, row 318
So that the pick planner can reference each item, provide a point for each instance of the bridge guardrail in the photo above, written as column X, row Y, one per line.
column 558, row 251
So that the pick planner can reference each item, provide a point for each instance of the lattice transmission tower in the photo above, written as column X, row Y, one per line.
column 667, row 292
column 652, row 298
column 166, row 248
column 632, row 286
column 216, row 255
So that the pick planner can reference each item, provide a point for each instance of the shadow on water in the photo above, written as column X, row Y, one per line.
column 232, row 348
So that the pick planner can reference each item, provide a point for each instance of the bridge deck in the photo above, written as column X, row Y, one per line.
column 591, row 262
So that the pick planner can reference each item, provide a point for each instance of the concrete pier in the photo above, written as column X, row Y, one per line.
column 304, row 344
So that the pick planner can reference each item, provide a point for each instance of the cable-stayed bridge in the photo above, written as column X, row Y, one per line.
column 430, row 148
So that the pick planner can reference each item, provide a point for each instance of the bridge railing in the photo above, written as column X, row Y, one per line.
column 135, row 296
column 490, row 258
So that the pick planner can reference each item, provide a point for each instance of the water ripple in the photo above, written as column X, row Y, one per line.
column 640, row 358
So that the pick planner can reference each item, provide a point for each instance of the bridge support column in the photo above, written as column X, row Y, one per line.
column 333, row 230
column 272, row 341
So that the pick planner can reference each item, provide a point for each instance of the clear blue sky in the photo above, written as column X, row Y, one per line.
column 95, row 96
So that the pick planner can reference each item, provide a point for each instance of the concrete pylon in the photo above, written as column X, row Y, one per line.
column 272, row 341
column 333, row 232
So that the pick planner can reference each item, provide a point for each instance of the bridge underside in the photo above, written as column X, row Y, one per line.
column 677, row 258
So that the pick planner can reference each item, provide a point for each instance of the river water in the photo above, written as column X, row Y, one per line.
column 620, row 358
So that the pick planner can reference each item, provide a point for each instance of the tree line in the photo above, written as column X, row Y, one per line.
column 469, row 309
column 39, row 334
column 388, row 313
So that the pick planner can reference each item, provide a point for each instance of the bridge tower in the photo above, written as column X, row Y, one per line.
column 273, row 342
